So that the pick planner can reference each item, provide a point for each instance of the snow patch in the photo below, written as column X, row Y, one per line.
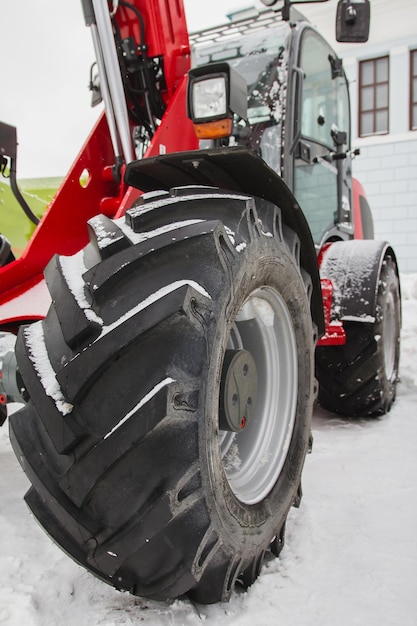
column 104, row 237
column 141, row 403
column 161, row 293
column 73, row 269
column 144, row 236
column 232, row 460
column 349, row 285
column 370, row 319
column 167, row 228
column 164, row 201
column 230, row 234
column 38, row 354
column 264, row 311
column 266, row 233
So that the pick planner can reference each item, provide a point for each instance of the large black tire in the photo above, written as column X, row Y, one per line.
column 131, row 473
column 359, row 379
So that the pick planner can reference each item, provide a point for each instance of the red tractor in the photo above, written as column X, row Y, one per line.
column 168, row 306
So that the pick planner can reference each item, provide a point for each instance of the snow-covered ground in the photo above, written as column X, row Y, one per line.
column 351, row 550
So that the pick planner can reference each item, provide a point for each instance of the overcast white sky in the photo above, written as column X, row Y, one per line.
column 46, row 53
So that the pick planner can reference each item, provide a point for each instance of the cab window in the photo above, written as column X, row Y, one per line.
column 325, row 103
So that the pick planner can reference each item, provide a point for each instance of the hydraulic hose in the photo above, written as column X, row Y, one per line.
column 16, row 191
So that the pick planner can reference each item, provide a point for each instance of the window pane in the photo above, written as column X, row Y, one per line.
column 374, row 96
column 381, row 70
column 414, row 117
column 381, row 121
column 367, row 123
column 382, row 96
column 316, row 192
column 414, row 90
column 367, row 72
column 325, row 99
column 367, row 99
column 342, row 106
column 414, row 63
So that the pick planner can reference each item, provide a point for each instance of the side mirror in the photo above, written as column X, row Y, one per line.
column 353, row 18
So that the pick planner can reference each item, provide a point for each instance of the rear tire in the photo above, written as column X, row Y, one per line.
column 360, row 378
column 131, row 473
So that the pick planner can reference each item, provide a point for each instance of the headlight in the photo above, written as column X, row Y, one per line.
column 209, row 98
column 216, row 92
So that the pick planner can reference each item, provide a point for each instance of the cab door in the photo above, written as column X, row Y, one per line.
column 321, row 167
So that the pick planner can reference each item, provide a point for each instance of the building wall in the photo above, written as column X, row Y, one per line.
column 387, row 165
column 388, row 172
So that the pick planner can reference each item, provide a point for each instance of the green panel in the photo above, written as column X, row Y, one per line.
column 38, row 193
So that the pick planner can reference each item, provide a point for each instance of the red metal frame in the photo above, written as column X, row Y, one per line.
column 357, row 192
column 334, row 332
column 166, row 36
column 63, row 230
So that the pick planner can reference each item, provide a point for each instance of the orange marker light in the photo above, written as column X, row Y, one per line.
column 214, row 130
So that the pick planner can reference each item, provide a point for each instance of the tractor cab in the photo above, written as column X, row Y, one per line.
column 297, row 111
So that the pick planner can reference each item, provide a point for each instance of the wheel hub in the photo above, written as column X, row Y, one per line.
column 238, row 391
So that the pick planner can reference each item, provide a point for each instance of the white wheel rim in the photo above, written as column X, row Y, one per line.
column 253, row 458
column 389, row 338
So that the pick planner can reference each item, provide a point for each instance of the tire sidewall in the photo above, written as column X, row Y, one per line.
column 246, row 527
